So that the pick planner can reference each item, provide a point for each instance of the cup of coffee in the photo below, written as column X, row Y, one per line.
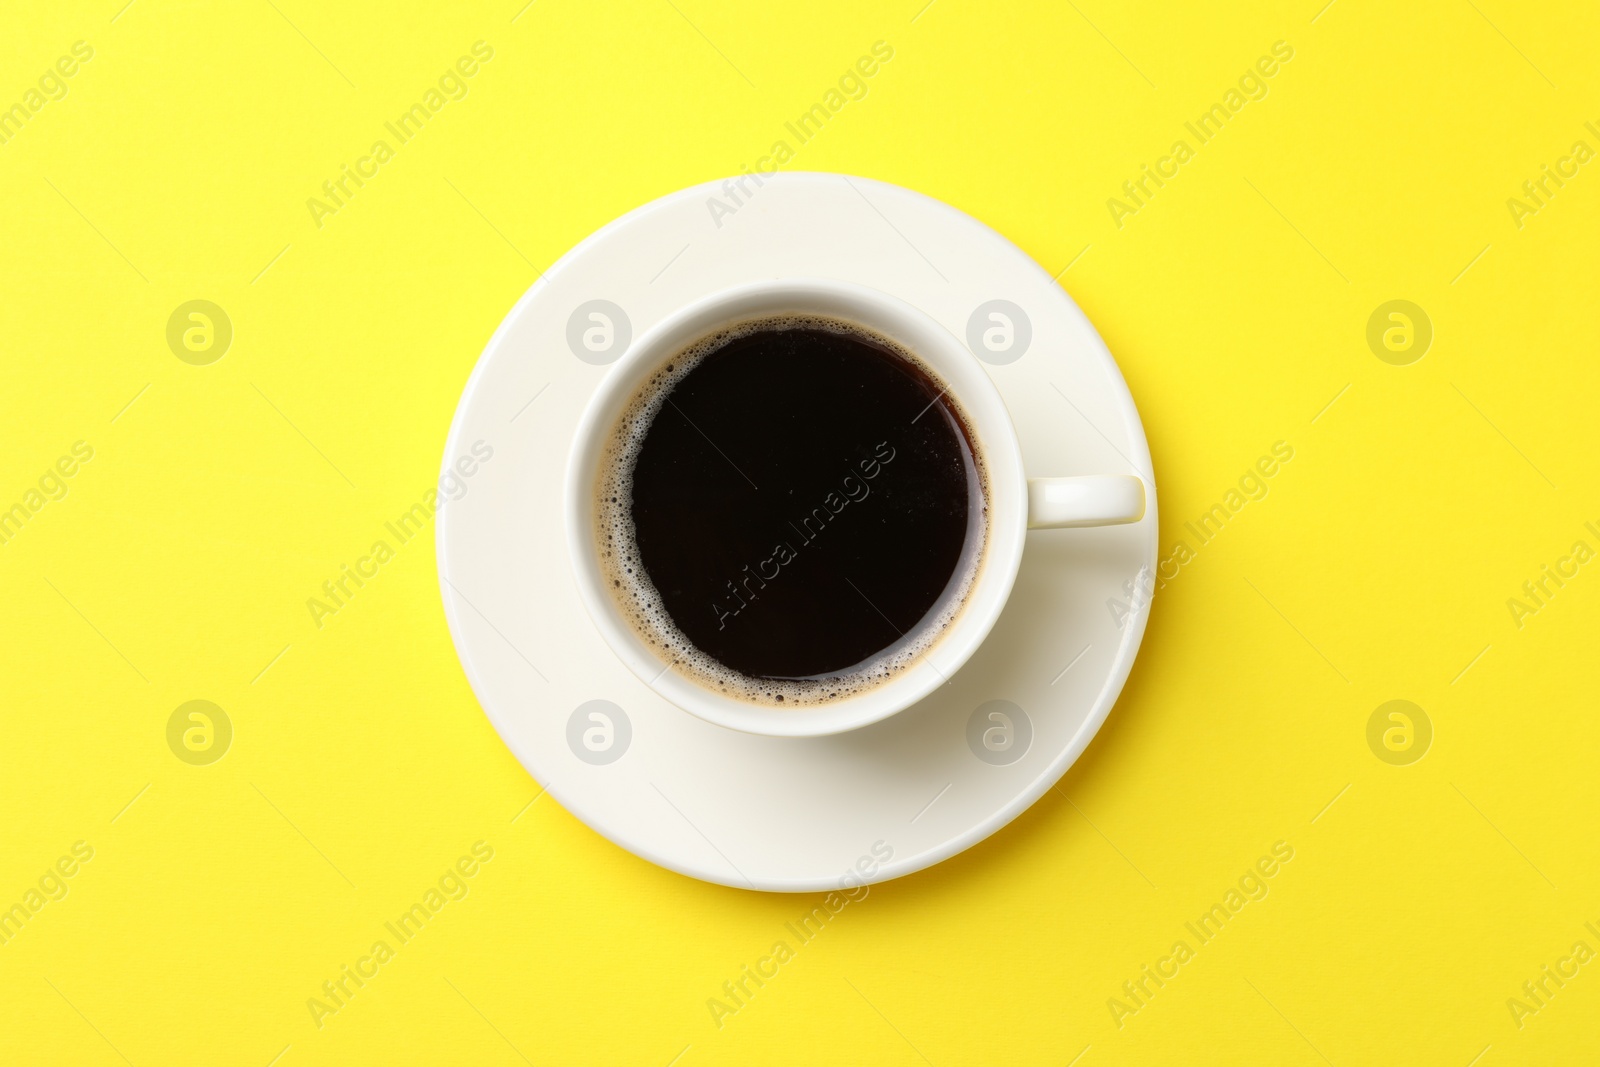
column 797, row 507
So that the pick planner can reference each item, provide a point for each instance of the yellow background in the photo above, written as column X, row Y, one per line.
column 178, row 565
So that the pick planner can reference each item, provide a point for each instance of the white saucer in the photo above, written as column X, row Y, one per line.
column 789, row 815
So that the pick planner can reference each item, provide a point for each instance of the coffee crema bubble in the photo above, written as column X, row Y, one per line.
column 791, row 510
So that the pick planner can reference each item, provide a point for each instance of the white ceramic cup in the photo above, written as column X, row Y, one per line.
column 1016, row 503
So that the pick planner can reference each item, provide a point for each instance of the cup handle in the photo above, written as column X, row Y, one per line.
column 1089, row 500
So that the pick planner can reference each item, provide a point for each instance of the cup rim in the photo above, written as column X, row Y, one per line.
column 990, row 423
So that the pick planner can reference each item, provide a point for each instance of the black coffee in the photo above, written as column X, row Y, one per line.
column 792, row 510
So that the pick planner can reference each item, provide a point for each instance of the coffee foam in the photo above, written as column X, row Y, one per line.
column 637, row 598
